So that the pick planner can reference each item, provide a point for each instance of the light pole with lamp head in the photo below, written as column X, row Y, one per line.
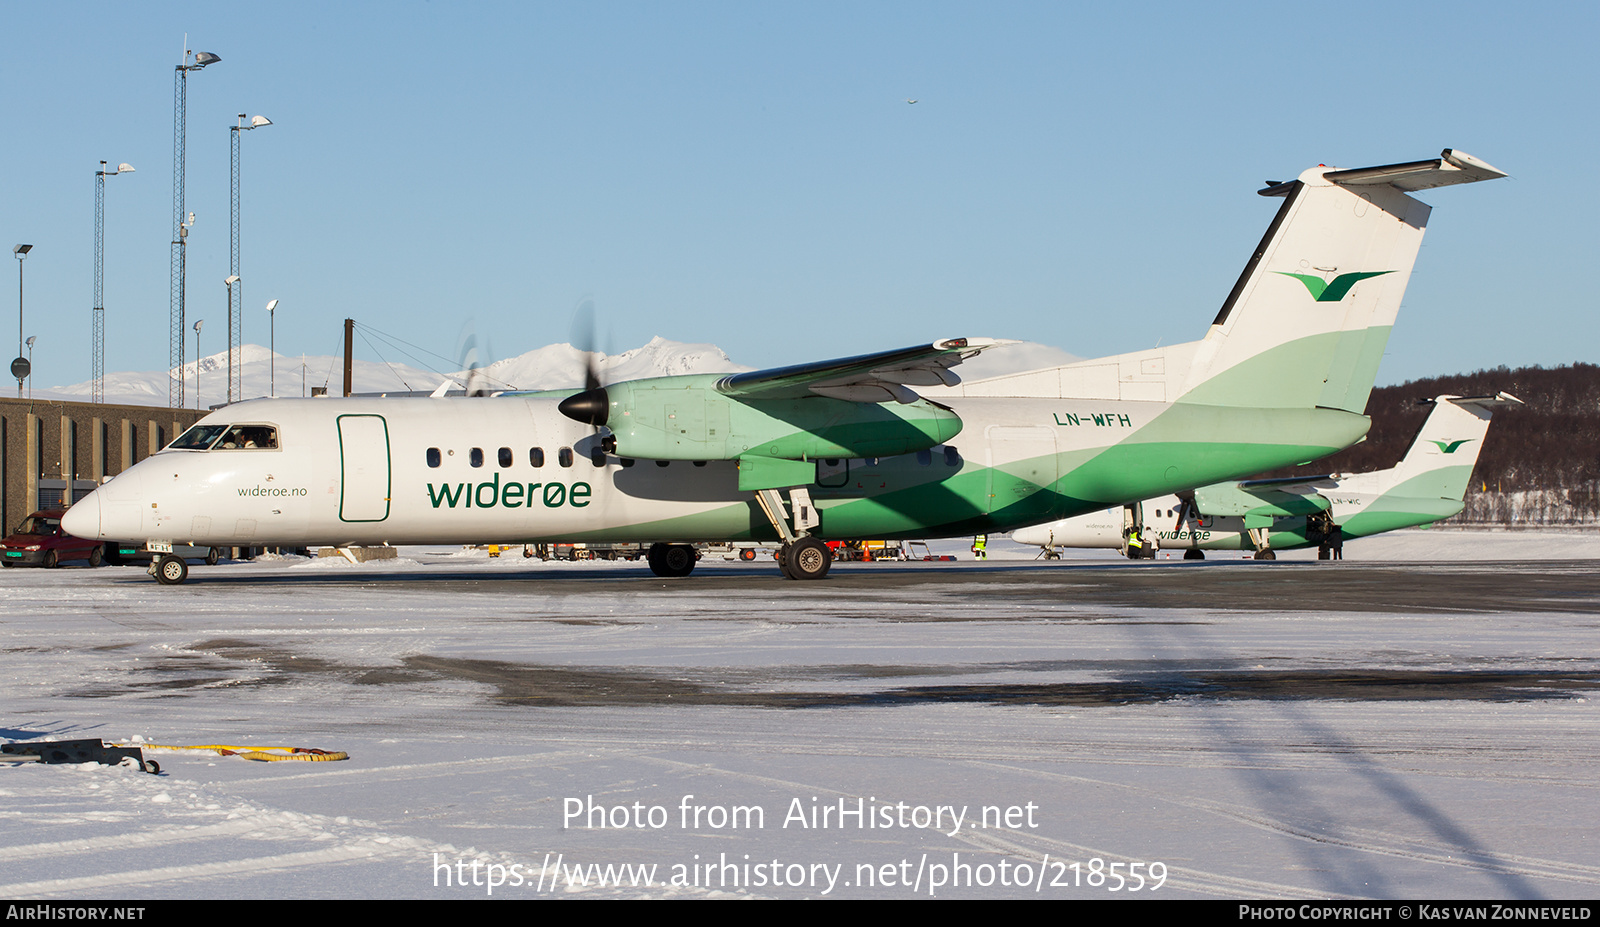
column 97, row 328
column 231, row 337
column 197, row 324
column 20, row 368
column 236, row 322
column 272, row 348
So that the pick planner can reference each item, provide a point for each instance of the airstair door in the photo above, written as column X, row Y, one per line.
column 364, row 468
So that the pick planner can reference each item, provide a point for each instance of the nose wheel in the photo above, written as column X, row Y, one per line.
column 169, row 570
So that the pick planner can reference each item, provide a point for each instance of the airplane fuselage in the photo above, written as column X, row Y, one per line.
column 513, row 469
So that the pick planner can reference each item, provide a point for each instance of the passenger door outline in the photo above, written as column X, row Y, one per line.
column 361, row 466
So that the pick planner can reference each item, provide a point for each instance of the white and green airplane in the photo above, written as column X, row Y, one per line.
column 887, row 445
column 1428, row 485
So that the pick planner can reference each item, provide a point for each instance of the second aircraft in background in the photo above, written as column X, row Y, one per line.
column 1428, row 485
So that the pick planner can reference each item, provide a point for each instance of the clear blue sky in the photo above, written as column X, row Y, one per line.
column 751, row 174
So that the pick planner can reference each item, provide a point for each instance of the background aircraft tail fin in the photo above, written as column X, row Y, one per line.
column 1440, row 460
column 1308, row 319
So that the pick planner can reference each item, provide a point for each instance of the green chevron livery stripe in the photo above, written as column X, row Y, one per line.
column 1331, row 291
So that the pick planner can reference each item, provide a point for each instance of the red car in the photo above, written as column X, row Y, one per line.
column 40, row 541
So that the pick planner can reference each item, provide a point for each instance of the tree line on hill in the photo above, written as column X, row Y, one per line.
column 1540, row 463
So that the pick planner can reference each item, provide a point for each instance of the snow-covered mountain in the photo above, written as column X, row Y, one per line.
column 561, row 366
column 555, row 366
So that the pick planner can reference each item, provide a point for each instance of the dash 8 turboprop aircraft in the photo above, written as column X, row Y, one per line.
column 1428, row 485
column 888, row 445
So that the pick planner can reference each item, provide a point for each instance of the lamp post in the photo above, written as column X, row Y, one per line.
column 97, row 328
column 180, row 229
column 236, row 322
column 272, row 347
column 21, row 367
column 232, row 337
column 197, row 324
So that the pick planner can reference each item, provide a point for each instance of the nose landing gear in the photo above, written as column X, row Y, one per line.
column 169, row 570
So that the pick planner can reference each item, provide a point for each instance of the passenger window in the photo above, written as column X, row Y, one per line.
column 505, row 457
column 952, row 457
column 249, row 437
column 536, row 456
column 662, row 463
column 564, row 457
column 627, row 461
column 925, row 457
column 699, row 463
column 433, row 457
column 597, row 457
column 476, row 457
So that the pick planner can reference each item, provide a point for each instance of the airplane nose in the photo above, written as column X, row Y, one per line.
column 83, row 519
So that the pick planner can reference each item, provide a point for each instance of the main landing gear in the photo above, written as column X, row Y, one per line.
column 1261, row 540
column 806, row 558
column 801, row 556
column 671, row 560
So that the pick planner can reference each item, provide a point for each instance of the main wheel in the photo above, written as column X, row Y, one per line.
column 808, row 558
column 782, row 556
column 671, row 560
column 97, row 557
column 1266, row 554
column 171, row 570
column 1194, row 553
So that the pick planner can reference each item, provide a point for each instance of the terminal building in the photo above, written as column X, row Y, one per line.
column 56, row 452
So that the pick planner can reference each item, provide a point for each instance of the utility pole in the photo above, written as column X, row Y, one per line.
column 349, row 351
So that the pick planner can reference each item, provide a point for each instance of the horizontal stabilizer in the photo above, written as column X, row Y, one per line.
column 1235, row 499
column 1451, row 167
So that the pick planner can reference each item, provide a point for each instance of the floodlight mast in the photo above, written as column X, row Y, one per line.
column 180, row 229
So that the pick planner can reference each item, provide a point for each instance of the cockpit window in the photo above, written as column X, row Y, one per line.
column 198, row 438
column 249, row 437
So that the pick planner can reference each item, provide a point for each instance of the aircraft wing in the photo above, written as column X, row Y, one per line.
column 881, row 377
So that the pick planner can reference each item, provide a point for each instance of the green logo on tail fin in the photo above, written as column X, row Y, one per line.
column 1449, row 447
column 1331, row 291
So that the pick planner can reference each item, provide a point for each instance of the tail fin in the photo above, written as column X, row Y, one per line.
column 1307, row 321
column 1440, row 460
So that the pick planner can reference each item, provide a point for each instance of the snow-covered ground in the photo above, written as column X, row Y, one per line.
column 1412, row 544
column 521, row 724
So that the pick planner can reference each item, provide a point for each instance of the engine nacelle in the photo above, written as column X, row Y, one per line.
column 685, row 418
